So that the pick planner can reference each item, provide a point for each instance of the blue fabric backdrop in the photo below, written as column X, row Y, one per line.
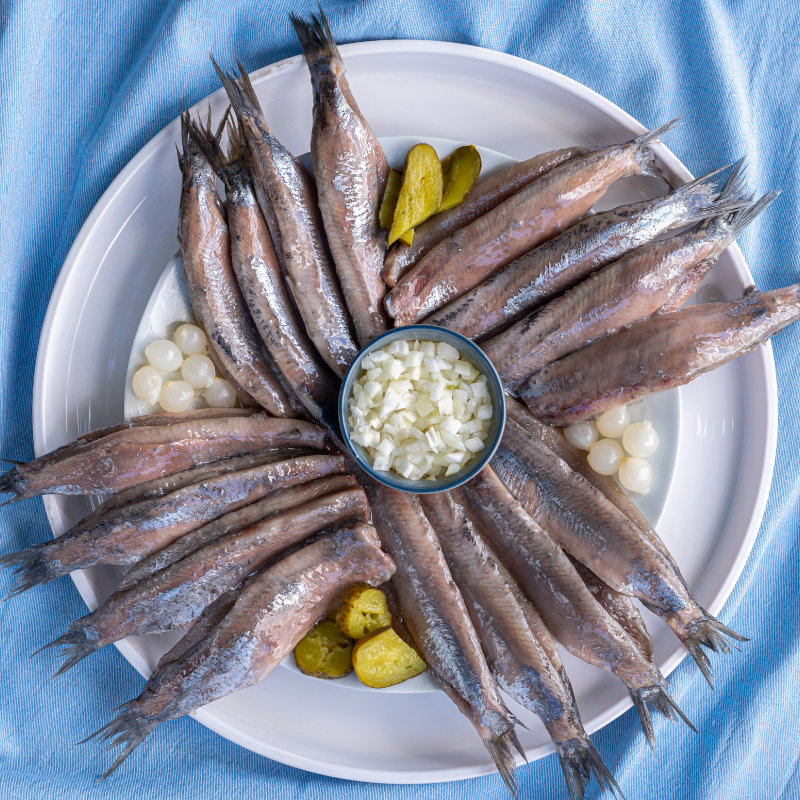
column 83, row 86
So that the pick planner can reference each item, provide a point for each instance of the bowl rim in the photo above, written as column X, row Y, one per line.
column 459, row 478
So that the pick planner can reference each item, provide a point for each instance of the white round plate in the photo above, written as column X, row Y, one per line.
column 723, row 467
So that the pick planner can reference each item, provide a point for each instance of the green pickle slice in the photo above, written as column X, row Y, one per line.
column 325, row 652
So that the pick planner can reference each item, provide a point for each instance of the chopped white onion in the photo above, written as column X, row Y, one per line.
column 220, row 394
column 164, row 355
column 605, row 456
column 198, row 371
column 640, row 439
column 419, row 409
column 582, row 434
column 147, row 384
column 190, row 339
column 635, row 474
column 176, row 396
column 613, row 423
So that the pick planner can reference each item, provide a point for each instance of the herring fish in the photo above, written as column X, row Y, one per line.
column 657, row 277
column 176, row 597
column 158, row 487
column 274, row 503
column 113, row 462
column 351, row 170
column 593, row 530
column 485, row 195
column 258, row 274
column 214, row 294
column 136, row 531
column 568, row 608
column 434, row 612
column 555, row 266
column 553, row 438
column 273, row 612
column 288, row 200
column 525, row 220
column 515, row 641
column 658, row 353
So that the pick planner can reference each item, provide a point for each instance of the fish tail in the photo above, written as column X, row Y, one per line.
column 12, row 481
column 704, row 203
column 12, row 461
column 129, row 729
column 742, row 218
column 707, row 631
column 315, row 37
column 242, row 98
column 652, row 137
column 209, row 144
column 499, row 747
column 78, row 642
column 645, row 156
column 246, row 85
column 735, row 187
column 580, row 760
column 31, row 568
column 659, row 698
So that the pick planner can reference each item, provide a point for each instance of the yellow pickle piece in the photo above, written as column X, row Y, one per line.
column 363, row 611
column 389, row 203
column 460, row 171
column 420, row 191
column 324, row 652
column 384, row 659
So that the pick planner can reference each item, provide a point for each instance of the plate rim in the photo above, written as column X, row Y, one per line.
column 455, row 50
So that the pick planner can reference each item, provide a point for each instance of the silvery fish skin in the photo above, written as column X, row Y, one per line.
column 557, row 265
column 656, row 354
column 593, row 530
column 111, row 463
column 528, row 218
column 514, row 639
column 258, row 273
column 215, row 296
column 273, row 612
column 485, row 195
column 350, row 171
column 434, row 612
column 176, row 597
column 619, row 606
column 274, row 503
column 657, row 277
column 138, row 530
column 158, row 487
column 567, row 607
column 288, row 200
column 554, row 439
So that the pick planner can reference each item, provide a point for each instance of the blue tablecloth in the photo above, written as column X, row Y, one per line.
column 83, row 86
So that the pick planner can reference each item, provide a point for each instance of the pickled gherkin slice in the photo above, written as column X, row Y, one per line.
column 389, row 203
column 384, row 659
column 460, row 171
column 420, row 190
column 324, row 652
column 363, row 611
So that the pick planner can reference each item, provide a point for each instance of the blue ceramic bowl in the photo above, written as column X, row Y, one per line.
column 469, row 352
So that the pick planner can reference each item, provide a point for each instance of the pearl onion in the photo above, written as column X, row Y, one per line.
column 147, row 384
column 582, row 435
column 614, row 422
column 198, row 371
column 164, row 355
column 635, row 475
column 605, row 456
column 190, row 339
column 220, row 394
column 640, row 439
column 176, row 396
